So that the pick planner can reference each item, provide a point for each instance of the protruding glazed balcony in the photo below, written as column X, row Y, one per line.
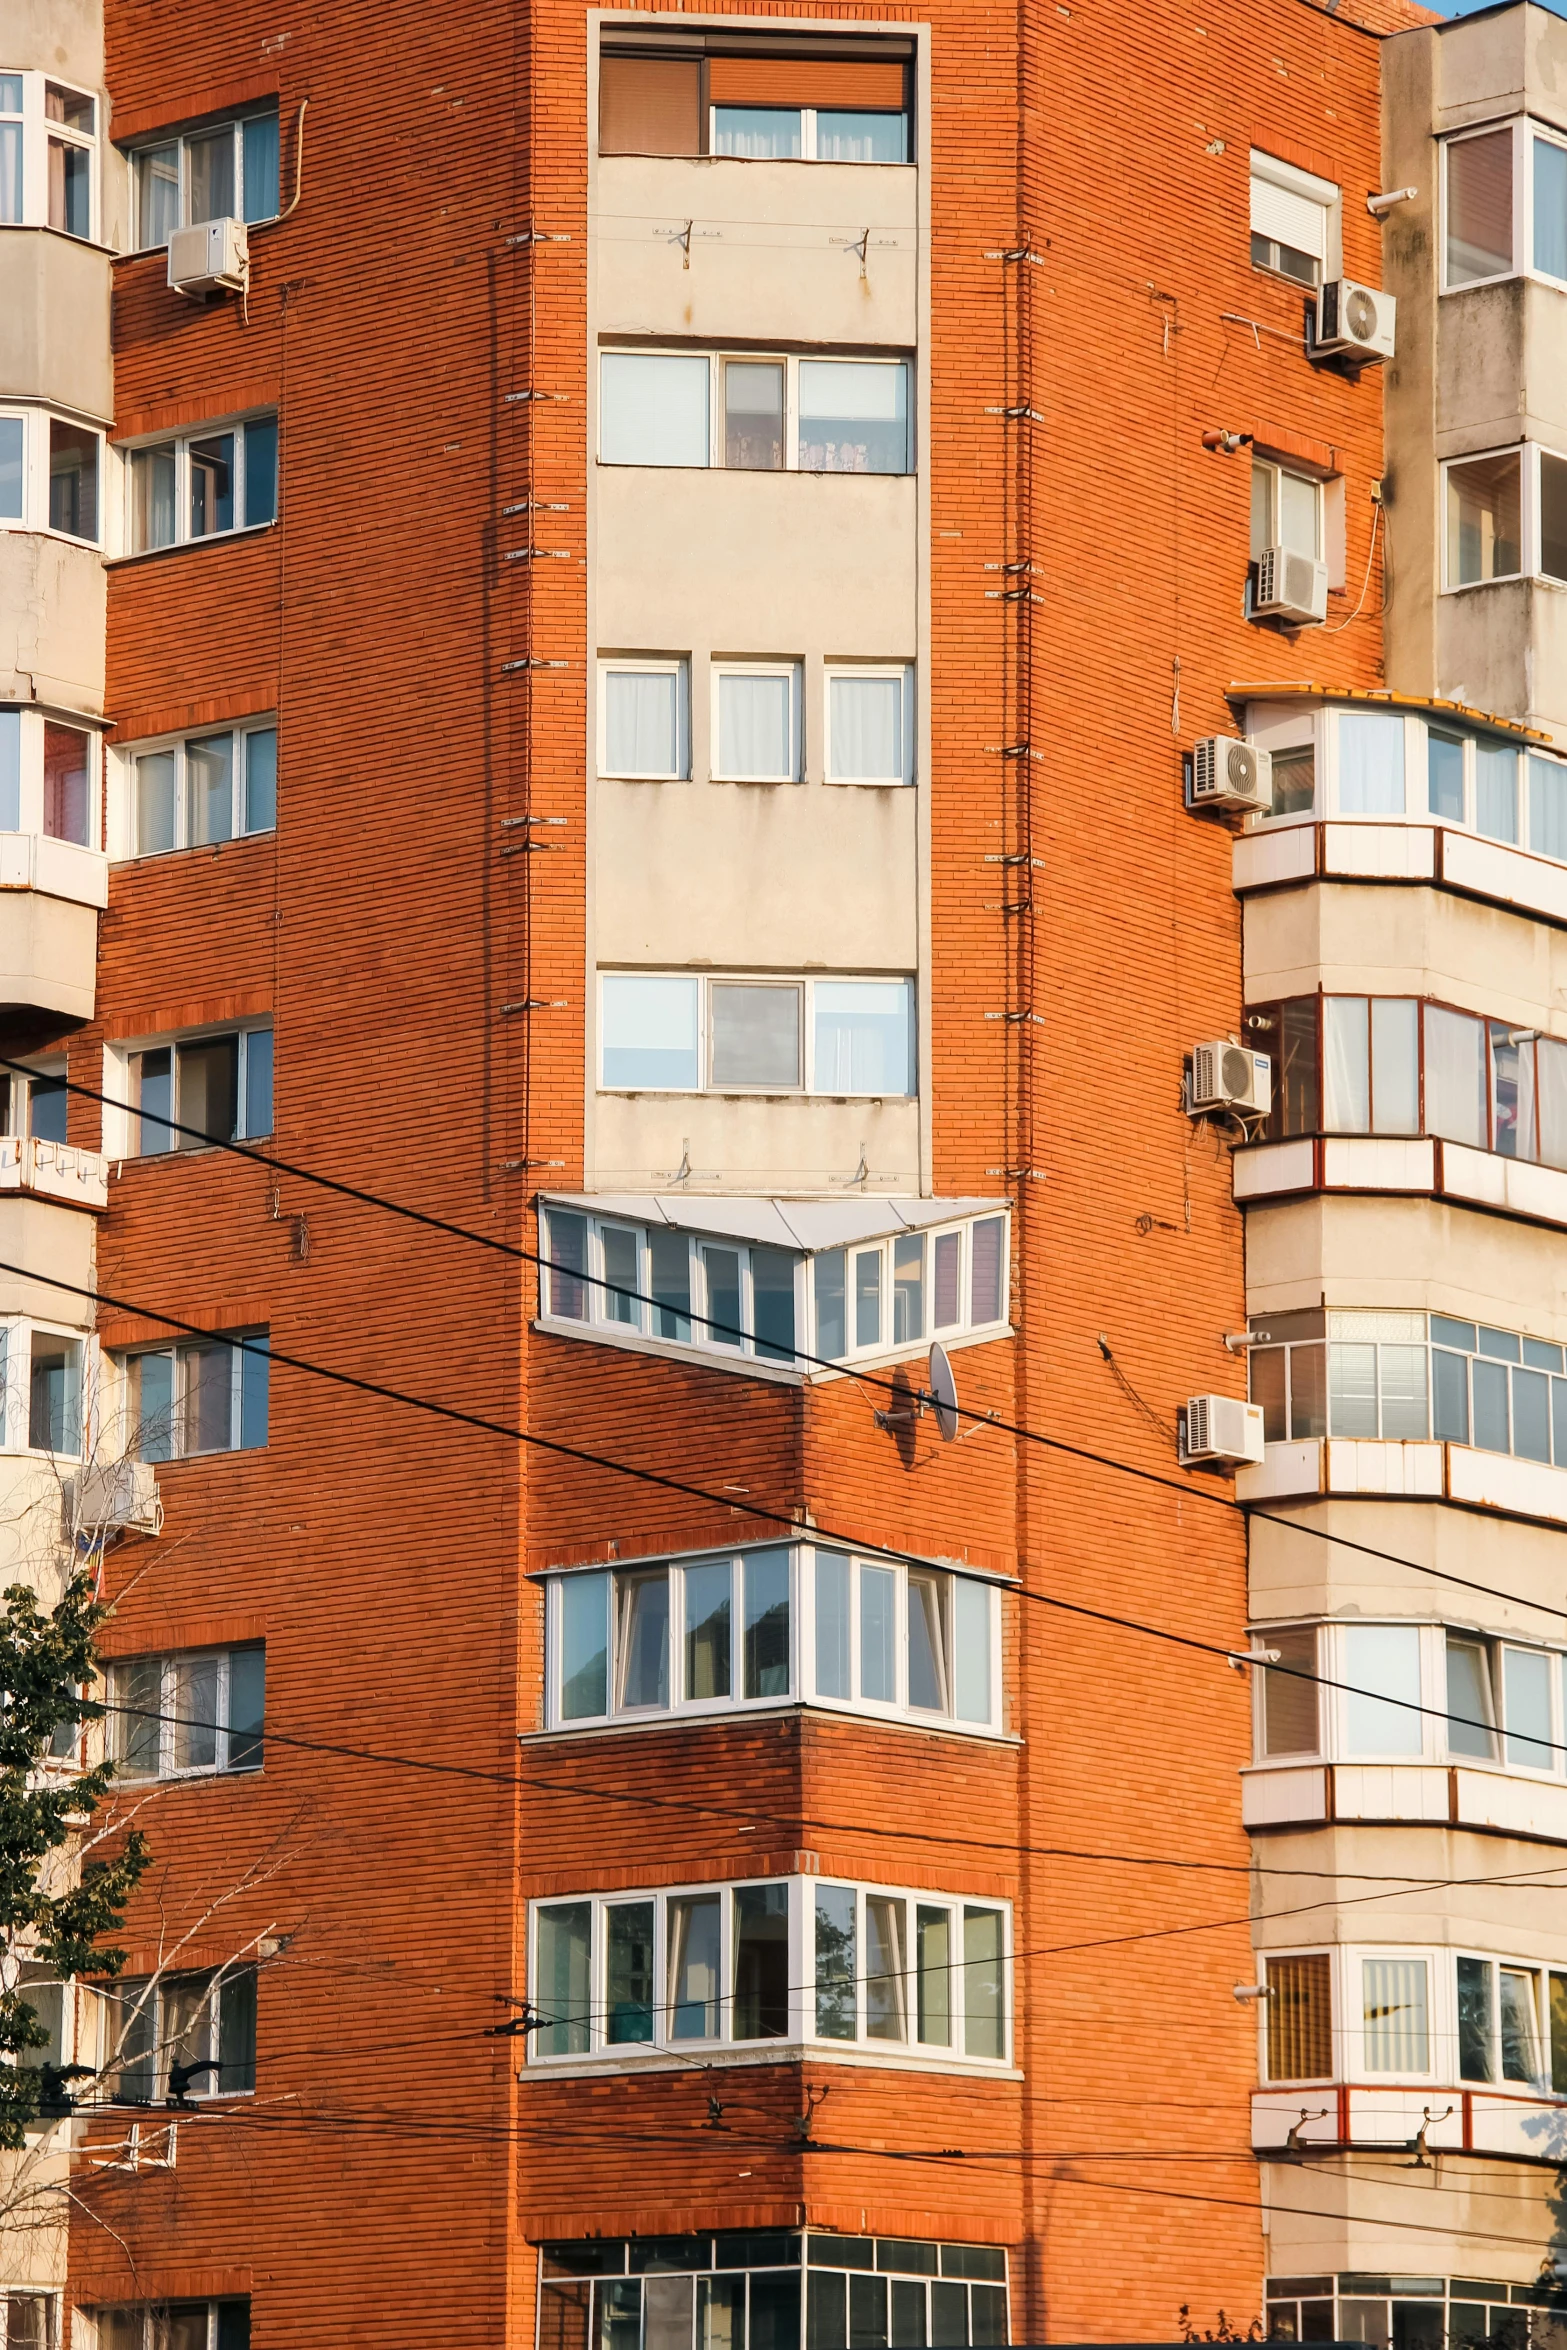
column 53, row 873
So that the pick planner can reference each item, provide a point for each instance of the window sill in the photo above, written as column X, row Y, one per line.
column 716, row 1093
column 658, row 2060
column 754, row 1366
column 47, row 228
column 203, row 848
column 771, row 1708
column 216, row 538
column 12, row 526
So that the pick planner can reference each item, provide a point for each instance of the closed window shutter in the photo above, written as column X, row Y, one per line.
column 649, row 106
column 857, row 82
column 1289, row 219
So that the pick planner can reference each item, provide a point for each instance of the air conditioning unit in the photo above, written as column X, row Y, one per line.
column 121, row 1497
column 1227, row 773
column 1353, row 320
column 1222, row 1428
column 211, row 258
column 1290, row 586
column 1229, row 1076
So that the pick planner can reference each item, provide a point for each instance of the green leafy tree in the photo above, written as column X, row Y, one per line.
column 50, row 1912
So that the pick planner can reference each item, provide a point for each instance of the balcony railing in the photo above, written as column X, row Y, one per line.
column 54, row 1170
column 1447, row 1795
column 1344, row 2114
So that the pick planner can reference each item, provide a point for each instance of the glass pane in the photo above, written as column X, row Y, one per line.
column 260, row 471
column 1445, row 776
column 1300, row 511
column 878, row 1634
column 754, row 414
column 988, row 2318
column 756, row 728
column 865, row 729
column 948, row 2315
column 1480, row 207
column 259, row 143
column 650, row 1033
column 653, row 409
column 721, row 1272
column 13, row 478
column 1512, row 1093
column 774, row 2322
column 236, row 2034
column 836, row 1967
column 628, row 1929
column 1370, row 763
column 157, row 195
column 620, row 2314
column 642, row 722
column 1491, row 1429
column 152, row 1077
column 720, row 2313
column 1267, row 1386
column 584, row 1647
column 867, row 1297
column 971, row 1616
column 826, row 2308
column 1397, row 2030
column 47, row 1108
column 136, row 1693
column 1520, row 2055
column 1469, row 1700
column 667, row 2303
column 886, row 2016
column 247, row 1708
column 152, row 498
column 193, row 1701
column 763, row 133
column 755, row 1036
column 832, row 1625
column 207, row 1418
column 261, row 779
column 1300, row 2018
column 1395, row 1065
column 1484, row 537
column 1352, row 1386
column 73, row 479
column 155, row 832
column 620, row 1299
column 1346, row 1072
column 70, row 188
column 1294, row 781
column 1449, row 1397
column 642, row 1639
column 864, row 1036
column 1526, row 1701
column 562, row 1993
column 761, row 2002
column 152, row 1406
column 1455, row 1076
column 669, row 1264
column 11, row 162
column 54, row 1422
column 1496, row 791
column 767, row 1623
column 1531, row 1415
column 986, row 1302
column 209, row 167
column 984, row 2009
column 908, row 1288
column 1382, row 1670
column 845, row 136
column 255, row 1374
column 566, row 1247
column 1289, row 1694
column 854, row 416
column 827, row 1278
column 694, row 1951
column 211, row 485
column 1553, row 515
column 208, row 1075
column 1476, row 2020
column 927, row 1642
column 709, row 1631
column 933, row 1964
column 209, row 790
column 947, row 1309
column 1559, row 2034
column 1401, row 1373
column 68, row 773
column 1548, row 807
column 908, row 2313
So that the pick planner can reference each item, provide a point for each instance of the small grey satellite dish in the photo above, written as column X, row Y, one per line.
column 942, row 1393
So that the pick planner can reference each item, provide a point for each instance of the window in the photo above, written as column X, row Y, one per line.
column 183, row 1716
column 48, row 155
column 756, row 722
column 1380, row 763
column 193, row 792
column 41, row 1389
column 1510, row 2022
column 29, row 2321
column 773, row 1625
column 1505, row 205
column 195, row 1091
column 173, row 2325
column 829, row 109
column 49, row 778
column 204, row 485
column 36, row 1105
column 1286, row 510
column 1423, row 2311
column 49, row 474
column 1293, row 215
column 204, row 1395
column 644, row 719
column 750, row 1297
column 179, row 2035
column 1484, row 519
column 226, row 168
column 1396, row 2015
column 674, row 1034
column 1288, row 1694
column 754, row 415
column 790, row 1960
column 1299, row 2002
column 870, row 724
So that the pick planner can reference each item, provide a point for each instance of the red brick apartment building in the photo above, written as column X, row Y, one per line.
column 708, row 644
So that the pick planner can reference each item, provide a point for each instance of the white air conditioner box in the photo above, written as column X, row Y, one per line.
column 1227, row 773
column 1229, row 1076
column 120, row 1497
column 1222, row 1428
column 1354, row 320
column 211, row 258
column 1290, row 586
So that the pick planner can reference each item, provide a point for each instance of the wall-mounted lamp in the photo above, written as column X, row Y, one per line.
column 1380, row 206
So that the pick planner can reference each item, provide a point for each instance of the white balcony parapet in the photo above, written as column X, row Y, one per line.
column 1276, row 858
column 1417, row 1165
column 56, row 868
column 1419, row 1794
column 1407, row 1471
column 1480, row 2121
column 55, row 1170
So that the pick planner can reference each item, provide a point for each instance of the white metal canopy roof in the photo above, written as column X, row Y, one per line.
column 807, row 1224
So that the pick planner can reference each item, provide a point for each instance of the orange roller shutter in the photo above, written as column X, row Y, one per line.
column 805, row 81
column 650, row 106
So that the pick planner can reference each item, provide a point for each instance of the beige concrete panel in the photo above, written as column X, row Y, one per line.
column 1490, row 1916
column 53, row 608
column 753, row 1143
column 1296, row 1574
column 1410, row 63
column 1547, row 659
column 1416, row 1254
column 1482, row 648
column 1361, row 940
column 1465, row 2218
column 48, row 954
column 773, row 250
column 1543, row 395
column 54, row 322
column 50, row 1241
column 689, row 561
column 63, row 37
column 751, row 875
column 1484, row 70
column 1480, row 367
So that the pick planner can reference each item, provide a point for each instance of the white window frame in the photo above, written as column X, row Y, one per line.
column 1347, row 1978
column 37, row 133
column 50, row 2295
column 1529, row 454
column 910, row 2051
column 1318, row 729
column 675, row 665
column 122, row 1111
column 168, row 1663
column 807, row 984
column 717, row 358
column 139, row 158
column 16, row 1094
column 178, row 1352
column 789, row 670
column 16, row 1334
column 35, row 419
column 154, row 2334
column 1308, row 188
column 33, row 722
column 807, row 116
column 1275, row 468
column 123, row 843
column 1525, row 129
column 181, row 444
column 203, row 2089
column 802, row 1688
column 903, row 673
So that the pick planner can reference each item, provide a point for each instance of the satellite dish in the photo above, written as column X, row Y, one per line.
column 942, row 1393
